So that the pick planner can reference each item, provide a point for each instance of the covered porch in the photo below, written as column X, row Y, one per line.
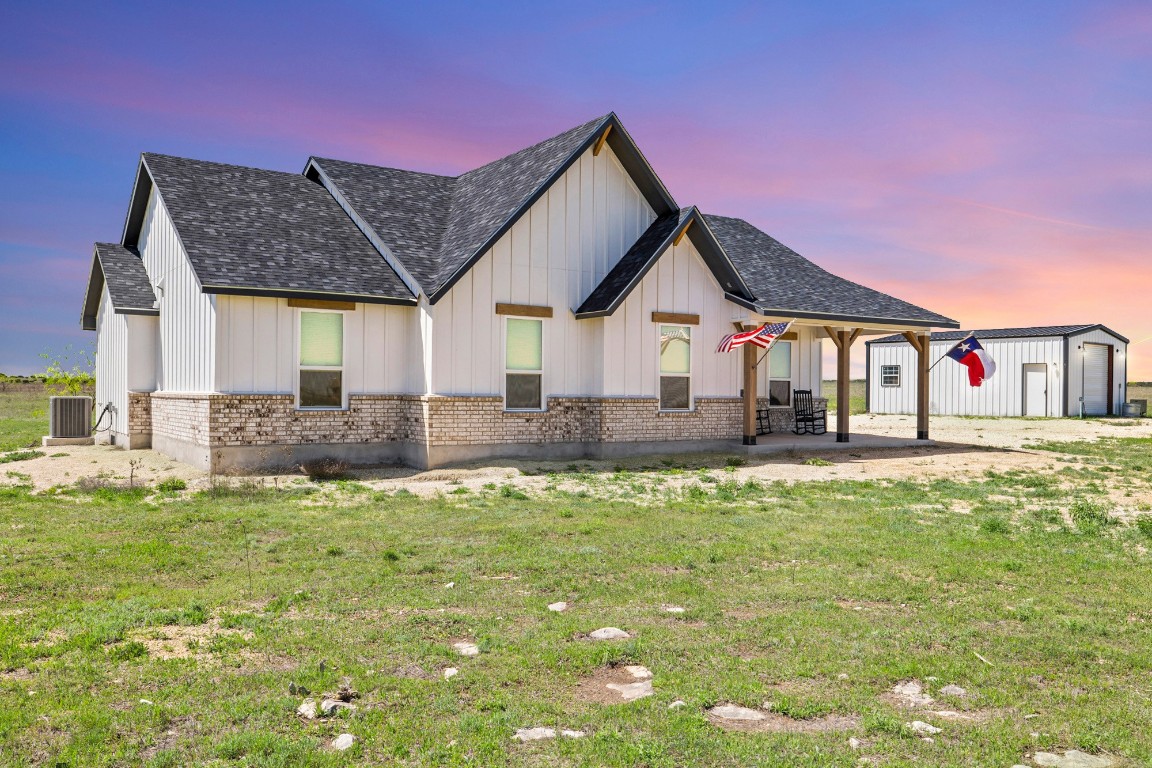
column 843, row 336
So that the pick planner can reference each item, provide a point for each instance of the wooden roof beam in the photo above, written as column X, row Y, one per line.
column 600, row 141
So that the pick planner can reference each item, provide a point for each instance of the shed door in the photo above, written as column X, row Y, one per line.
column 1097, row 362
column 1035, row 389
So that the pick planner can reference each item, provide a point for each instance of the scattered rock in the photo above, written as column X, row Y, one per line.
column 450, row 673
column 911, row 694
column 735, row 718
column 609, row 633
column 855, row 743
column 677, row 704
column 307, row 709
column 1030, row 716
column 674, row 609
column 953, row 690
column 145, row 702
column 534, row 734
column 343, row 741
column 733, row 712
column 559, row 607
column 638, row 672
column 919, row 726
column 632, row 691
column 949, row 714
column 450, row 585
column 465, row 648
column 842, row 676
column 330, row 707
column 572, row 734
column 1072, row 759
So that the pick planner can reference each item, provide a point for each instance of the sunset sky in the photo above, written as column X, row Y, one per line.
column 990, row 161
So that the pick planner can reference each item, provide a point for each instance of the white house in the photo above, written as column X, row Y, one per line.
column 556, row 302
column 1065, row 370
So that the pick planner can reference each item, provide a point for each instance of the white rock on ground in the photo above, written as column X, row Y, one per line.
column 572, row 734
column 638, row 672
column 307, row 709
column 450, row 673
column 912, row 694
column 919, row 726
column 674, row 609
column 677, row 704
column 332, row 706
column 609, row 633
column 559, row 607
column 343, row 741
column 632, row 691
column 733, row 712
column 450, row 585
column 1072, row 759
column 855, row 743
column 466, row 649
column 953, row 690
column 534, row 734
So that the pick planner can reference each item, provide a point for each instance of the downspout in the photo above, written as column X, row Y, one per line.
column 1064, row 409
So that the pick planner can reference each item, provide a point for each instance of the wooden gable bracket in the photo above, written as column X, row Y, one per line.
column 683, row 232
column 347, row 306
column 523, row 310
column 835, row 336
column 677, row 318
column 914, row 340
column 600, row 141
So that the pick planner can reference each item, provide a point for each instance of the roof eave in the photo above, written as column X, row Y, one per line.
column 92, row 294
column 286, row 293
column 942, row 322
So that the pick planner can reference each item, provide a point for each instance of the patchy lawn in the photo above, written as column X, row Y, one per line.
column 186, row 627
column 857, row 389
column 23, row 416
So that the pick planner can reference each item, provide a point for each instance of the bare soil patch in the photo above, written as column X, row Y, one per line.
column 594, row 688
column 774, row 722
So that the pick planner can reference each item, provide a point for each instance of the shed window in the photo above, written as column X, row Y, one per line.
column 523, row 364
column 321, row 360
column 780, row 373
column 675, row 368
column 889, row 375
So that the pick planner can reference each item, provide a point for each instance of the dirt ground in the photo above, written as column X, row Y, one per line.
column 963, row 446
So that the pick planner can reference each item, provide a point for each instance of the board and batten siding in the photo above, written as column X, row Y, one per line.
column 1076, row 344
column 553, row 256
column 949, row 392
column 111, row 371
column 187, row 328
column 257, row 340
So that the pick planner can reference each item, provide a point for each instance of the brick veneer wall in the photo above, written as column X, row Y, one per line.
column 139, row 413
column 225, row 420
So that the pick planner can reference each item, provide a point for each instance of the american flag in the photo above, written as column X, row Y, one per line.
column 761, row 337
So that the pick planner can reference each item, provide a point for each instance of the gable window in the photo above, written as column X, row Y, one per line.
column 321, row 383
column 889, row 375
column 523, row 364
column 675, row 368
column 780, row 373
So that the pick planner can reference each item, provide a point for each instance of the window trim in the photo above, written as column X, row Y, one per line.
column 690, row 375
column 342, row 368
column 769, row 378
column 899, row 376
column 543, row 407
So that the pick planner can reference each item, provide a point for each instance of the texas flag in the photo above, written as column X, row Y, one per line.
column 980, row 364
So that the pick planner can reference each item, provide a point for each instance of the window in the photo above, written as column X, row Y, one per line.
column 675, row 368
column 780, row 373
column 889, row 375
column 321, row 360
column 523, row 364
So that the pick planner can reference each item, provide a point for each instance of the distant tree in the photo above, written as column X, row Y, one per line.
column 69, row 372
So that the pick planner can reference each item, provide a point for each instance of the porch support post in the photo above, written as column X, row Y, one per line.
column 922, row 343
column 750, row 391
column 843, row 341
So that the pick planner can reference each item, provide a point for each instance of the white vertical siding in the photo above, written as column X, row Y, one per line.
column 111, row 365
column 553, row 256
column 257, row 340
column 142, row 343
column 949, row 392
column 187, row 327
column 1076, row 368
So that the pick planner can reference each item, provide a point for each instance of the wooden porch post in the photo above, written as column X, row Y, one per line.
column 922, row 343
column 843, row 341
column 750, row 391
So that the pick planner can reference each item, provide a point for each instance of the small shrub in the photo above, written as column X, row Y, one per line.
column 816, row 461
column 509, row 491
column 334, row 551
column 734, row 461
column 20, row 456
column 171, row 485
column 995, row 525
column 128, row 651
column 325, row 469
column 390, row 555
column 1090, row 516
column 1144, row 525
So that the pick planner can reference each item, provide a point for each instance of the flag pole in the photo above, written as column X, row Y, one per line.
column 946, row 353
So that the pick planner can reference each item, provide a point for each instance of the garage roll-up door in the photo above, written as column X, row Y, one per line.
column 1096, row 360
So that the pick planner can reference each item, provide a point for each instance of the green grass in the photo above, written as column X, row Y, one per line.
column 313, row 584
column 856, row 395
column 23, row 417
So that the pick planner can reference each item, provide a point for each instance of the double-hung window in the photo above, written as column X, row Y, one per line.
column 675, row 368
column 321, row 383
column 780, row 373
column 889, row 375
column 523, row 364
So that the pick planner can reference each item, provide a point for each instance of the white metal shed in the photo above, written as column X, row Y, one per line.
column 1065, row 370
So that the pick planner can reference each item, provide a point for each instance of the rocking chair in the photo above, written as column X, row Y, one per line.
column 808, row 420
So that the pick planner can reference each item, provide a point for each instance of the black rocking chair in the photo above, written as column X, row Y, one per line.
column 763, row 422
column 808, row 420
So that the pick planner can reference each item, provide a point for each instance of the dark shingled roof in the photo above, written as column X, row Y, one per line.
column 252, row 231
column 784, row 283
column 1006, row 333
column 636, row 262
column 129, row 289
column 437, row 225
